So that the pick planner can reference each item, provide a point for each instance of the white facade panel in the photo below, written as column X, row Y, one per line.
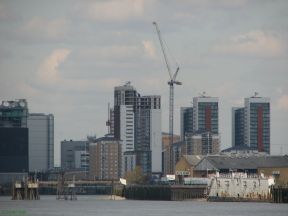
column 156, row 140
column 127, row 127
column 127, row 137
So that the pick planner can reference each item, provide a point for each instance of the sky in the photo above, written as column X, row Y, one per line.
column 65, row 57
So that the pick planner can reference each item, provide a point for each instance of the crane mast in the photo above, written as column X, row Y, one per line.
column 171, row 83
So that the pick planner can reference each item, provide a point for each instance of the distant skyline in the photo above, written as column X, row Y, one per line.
column 66, row 57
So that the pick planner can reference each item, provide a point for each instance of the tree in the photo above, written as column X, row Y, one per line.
column 136, row 176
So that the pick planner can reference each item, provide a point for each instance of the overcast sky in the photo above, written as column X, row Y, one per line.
column 65, row 57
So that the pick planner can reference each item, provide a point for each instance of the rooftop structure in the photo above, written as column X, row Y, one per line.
column 14, row 113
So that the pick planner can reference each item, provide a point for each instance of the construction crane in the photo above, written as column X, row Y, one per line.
column 171, row 83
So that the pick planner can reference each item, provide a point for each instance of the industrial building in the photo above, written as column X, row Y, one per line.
column 105, row 158
column 250, row 164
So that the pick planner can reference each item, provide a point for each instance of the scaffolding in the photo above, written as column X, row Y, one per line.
column 65, row 192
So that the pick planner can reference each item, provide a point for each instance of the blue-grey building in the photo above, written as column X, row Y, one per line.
column 186, row 121
column 75, row 155
column 14, row 137
column 41, row 141
column 238, row 126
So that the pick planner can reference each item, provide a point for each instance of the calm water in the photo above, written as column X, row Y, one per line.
column 102, row 206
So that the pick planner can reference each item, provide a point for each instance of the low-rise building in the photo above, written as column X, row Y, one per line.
column 185, row 166
column 240, row 187
column 250, row 164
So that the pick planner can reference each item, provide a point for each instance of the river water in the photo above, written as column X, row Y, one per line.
column 103, row 206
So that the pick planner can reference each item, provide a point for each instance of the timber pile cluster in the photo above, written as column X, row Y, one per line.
column 279, row 194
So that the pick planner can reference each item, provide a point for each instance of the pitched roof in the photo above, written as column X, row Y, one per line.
column 193, row 160
column 243, row 162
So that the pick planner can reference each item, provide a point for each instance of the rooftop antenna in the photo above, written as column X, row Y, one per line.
column 203, row 94
column 256, row 94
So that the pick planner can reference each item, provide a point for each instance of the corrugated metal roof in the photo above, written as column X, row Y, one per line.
column 243, row 162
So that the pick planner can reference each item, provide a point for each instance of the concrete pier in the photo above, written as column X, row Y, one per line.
column 159, row 192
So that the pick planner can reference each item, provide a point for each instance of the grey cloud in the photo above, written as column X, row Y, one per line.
column 108, row 53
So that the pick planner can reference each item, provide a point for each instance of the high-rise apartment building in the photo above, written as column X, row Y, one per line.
column 105, row 158
column 186, row 121
column 202, row 143
column 251, row 124
column 110, row 123
column 199, row 126
column 137, row 123
column 257, row 123
column 238, row 126
column 205, row 114
column 148, row 134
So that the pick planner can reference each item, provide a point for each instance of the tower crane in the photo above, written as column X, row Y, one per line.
column 171, row 84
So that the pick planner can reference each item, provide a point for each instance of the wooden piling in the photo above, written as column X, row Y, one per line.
column 279, row 194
